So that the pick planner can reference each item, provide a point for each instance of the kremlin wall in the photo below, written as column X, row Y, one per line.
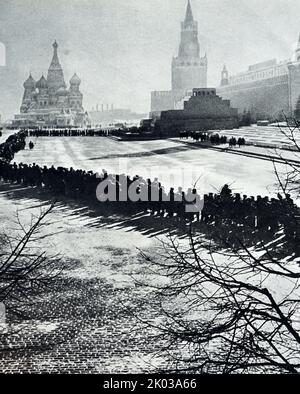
column 268, row 90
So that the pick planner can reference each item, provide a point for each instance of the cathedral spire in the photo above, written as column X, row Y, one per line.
column 55, row 77
column 55, row 61
column 189, row 14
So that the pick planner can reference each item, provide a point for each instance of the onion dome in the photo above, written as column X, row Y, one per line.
column 75, row 80
column 42, row 83
column 61, row 91
column 29, row 83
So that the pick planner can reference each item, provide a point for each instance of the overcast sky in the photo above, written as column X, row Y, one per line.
column 122, row 49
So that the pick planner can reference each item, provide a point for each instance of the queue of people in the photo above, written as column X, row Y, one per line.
column 260, row 212
column 214, row 139
column 13, row 144
column 66, row 132
column 149, row 196
column 219, row 208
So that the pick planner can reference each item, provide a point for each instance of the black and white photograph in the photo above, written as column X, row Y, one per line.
column 149, row 190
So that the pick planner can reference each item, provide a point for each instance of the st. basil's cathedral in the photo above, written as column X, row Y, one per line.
column 48, row 102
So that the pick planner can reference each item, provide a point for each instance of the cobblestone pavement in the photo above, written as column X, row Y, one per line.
column 82, row 326
column 83, row 330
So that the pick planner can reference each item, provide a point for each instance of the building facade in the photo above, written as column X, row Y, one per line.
column 189, row 69
column 205, row 110
column 49, row 103
column 269, row 90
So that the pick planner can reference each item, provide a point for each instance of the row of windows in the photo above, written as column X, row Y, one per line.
column 189, row 64
column 204, row 93
column 162, row 93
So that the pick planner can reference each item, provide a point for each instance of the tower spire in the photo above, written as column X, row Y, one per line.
column 189, row 14
column 224, row 76
column 189, row 44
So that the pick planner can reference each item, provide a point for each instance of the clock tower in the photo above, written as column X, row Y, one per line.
column 189, row 70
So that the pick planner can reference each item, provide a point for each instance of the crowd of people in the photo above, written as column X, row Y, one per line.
column 146, row 195
column 66, row 132
column 13, row 144
column 197, row 136
column 214, row 139
column 220, row 208
column 260, row 212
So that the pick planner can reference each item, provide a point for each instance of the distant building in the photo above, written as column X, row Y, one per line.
column 203, row 111
column 266, row 89
column 48, row 102
column 113, row 115
column 189, row 70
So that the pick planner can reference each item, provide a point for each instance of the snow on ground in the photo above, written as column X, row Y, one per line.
column 85, row 329
column 175, row 164
column 264, row 135
column 104, row 247
column 109, row 254
column 5, row 135
column 103, row 252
